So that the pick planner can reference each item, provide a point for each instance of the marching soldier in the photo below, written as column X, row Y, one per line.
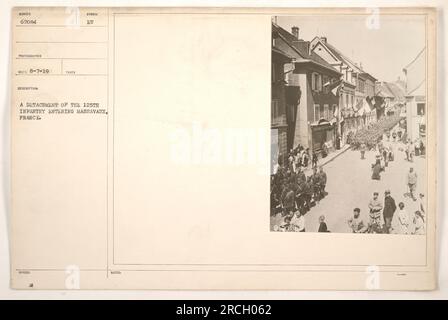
column 315, row 179
column 323, row 181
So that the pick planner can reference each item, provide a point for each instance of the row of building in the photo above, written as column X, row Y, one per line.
column 319, row 95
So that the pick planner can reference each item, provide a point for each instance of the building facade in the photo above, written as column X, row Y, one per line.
column 279, row 125
column 392, row 95
column 415, row 79
column 356, row 109
column 311, row 104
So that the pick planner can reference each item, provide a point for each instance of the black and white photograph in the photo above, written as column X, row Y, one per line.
column 348, row 125
column 147, row 144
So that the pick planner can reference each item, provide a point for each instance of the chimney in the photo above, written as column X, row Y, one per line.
column 324, row 39
column 295, row 32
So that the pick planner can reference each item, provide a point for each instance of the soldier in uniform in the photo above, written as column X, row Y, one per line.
column 300, row 176
column 307, row 192
column 288, row 200
column 315, row 179
column 323, row 181
column 376, row 208
column 363, row 148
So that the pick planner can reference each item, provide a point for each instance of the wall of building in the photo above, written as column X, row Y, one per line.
column 369, row 88
column 278, row 97
column 301, row 134
column 413, row 118
column 323, row 53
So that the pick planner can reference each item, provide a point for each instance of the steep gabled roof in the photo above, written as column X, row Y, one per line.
column 282, row 54
column 302, row 48
column 396, row 90
column 391, row 90
column 384, row 91
column 341, row 56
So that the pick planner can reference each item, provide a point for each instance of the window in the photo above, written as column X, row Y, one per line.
column 326, row 83
column 333, row 111
column 361, row 86
column 346, row 100
column 420, row 109
column 316, row 112
column 326, row 112
column 351, row 101
column 316, row 82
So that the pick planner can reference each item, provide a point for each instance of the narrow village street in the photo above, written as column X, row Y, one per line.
column 349, row 186
column 325, row 108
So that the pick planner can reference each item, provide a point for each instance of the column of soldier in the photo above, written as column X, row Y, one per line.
column 291, row 190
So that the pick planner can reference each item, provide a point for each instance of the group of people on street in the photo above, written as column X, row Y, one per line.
column 293, row 193
column 300, row 157
column 385, row 217
column 414, row 148
column 384, row 154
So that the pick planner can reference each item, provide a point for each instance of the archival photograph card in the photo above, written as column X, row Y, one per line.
column 237, row 148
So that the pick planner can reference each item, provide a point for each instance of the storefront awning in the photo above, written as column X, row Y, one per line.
column 322, row 124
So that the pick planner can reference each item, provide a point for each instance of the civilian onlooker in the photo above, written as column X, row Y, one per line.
column 322, row 224
column 400, row 223
column 363, row 150
column 411, row 180
column 375, row 207
column 298, row 222
column 286, row 225
column 418, row 223
column 388, row 211
column 357, row 223
column 422, row 204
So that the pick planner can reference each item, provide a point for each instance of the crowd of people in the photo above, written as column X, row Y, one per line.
column 299, row 157
column 385, row 217
column 414, row 148
column 385, row 153
column 382, row 217
column 293, row 193
column 370, row 135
